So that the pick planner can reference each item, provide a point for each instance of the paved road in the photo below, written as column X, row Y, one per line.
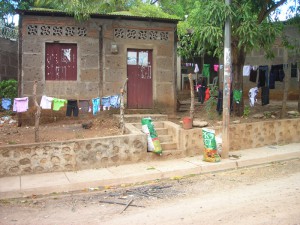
column 269, row 194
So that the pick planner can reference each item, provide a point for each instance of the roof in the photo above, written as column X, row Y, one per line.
column 116, row 15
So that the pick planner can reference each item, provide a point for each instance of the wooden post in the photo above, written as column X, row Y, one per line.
column 192, row 109
column 122, row 91
column 37, row 114
column 286, row 83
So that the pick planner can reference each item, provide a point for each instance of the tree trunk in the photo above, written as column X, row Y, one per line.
column 298, row 77
column 287, row 72
column 192, row 109
column 122, row 91
column 37, row 115
column 238, row 61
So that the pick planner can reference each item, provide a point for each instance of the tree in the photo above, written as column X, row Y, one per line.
column 251, row 24
column 8, row 7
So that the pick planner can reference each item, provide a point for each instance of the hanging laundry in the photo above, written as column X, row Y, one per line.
column 253, row 75
column 58, row 103
column 246, row 70
column 6, row 103
column 272, row 78
column 72, row 107
column 263, row 76
column 207, row 94
column 206, row 70
column 46, row 102
column 201, row 89
column 265, row 95
column 96, row 105
column 20, row 104
column 216, row 68
column 196, row 68
column 294, row 70
column 84, row 105
column 254, row 68
column 105, row 102
column 237, row 96
column 220, row 102
column 115, row 101
column 221, row 67
column 252, row 96
column 278, row 72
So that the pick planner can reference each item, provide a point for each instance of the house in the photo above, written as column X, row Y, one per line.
column 8, row 52
column 84, row 60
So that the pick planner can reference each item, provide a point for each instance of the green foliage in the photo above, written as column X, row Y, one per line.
column 148, row 10
column 250, row 25
column 82, row 9
column 246, row 111
column 8, row 89
column 8, row 7
column 180, row 8
column 211, row 103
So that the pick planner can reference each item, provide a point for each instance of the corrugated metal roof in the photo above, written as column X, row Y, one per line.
column 114, row 15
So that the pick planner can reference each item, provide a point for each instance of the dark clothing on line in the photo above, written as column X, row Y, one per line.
column 265, row 95
column 253, row 75
column 263, row 76
column 72, row 107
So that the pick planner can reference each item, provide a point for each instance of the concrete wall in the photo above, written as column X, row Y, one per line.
column 100, row 72
column 257, row 57
column 8, row 59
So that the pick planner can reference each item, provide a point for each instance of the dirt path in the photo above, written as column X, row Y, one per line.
column 269, row 194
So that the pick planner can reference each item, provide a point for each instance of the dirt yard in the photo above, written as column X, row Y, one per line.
column 55, row 126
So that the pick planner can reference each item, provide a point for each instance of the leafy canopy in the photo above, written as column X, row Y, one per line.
column 251, row 25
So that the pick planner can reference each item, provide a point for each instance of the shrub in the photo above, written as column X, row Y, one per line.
column 8, row 89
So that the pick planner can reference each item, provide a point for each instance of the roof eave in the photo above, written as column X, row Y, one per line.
column 97, row 16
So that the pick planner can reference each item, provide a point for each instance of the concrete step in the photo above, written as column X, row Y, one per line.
column 156, row 125
column 168, row 145
column 136, row 118
column 165, row 138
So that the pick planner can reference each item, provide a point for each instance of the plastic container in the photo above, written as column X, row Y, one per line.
column 187, row 123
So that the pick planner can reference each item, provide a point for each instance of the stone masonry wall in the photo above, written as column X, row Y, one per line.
column 72, row 155
column 131, row 148
column 246, row 135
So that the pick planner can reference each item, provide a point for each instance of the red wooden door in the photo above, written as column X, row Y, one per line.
column 61, row 61
column 139, row 72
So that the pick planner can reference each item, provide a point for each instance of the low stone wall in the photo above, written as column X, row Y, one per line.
column 72, row 155
column 132, row 147
column 246, row 135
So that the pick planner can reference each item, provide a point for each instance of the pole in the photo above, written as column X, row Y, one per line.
column 226, row 86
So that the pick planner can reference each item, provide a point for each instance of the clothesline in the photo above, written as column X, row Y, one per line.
column 94, row 105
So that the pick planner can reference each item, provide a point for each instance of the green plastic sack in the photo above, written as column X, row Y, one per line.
column 210, row 153
column 152, row 138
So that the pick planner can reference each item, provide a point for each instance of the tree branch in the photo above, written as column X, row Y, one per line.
column 153, row 2
column 266, row 12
